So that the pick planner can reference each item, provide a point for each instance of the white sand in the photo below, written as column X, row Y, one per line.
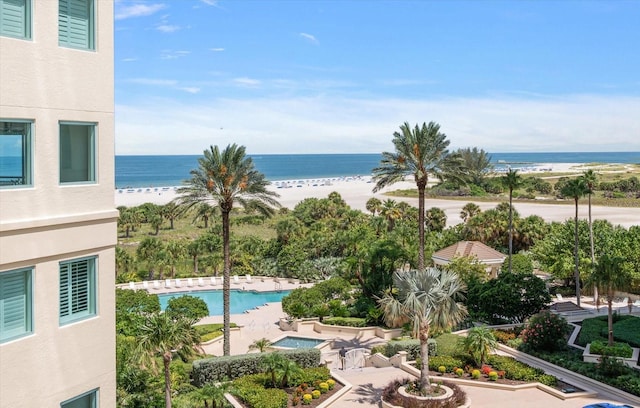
column 356, row 192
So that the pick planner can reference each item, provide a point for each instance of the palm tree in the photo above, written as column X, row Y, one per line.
column 590, row 178
column 162, row 335
column 435, row 219
column 575, row 188
column 419, row 152
column 373, row 205
column 609, row 276
column 477, row 163
column 469, row 211
column 390, row 211
column 260, row 345
column 479, row 343
column 227, row 178
column 426, row 299
column 511, row 180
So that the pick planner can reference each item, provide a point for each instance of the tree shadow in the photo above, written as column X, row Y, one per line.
column 366, row 394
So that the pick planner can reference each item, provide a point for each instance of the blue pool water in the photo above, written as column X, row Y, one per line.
column 240, row 300
column 298, row 342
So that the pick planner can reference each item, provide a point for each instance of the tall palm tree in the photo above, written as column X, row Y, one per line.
column 162, row 335
column 469, row 211
column 511, row 180
column 373, row 205
column 590, row 179
column 427, row 299
column 575, row 188
column 609, row 276
column 419, row 152
column 227, row 178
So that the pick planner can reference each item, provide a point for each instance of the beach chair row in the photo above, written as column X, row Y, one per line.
column 188, row 282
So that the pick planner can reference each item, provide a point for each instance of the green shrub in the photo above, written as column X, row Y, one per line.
column 617, row 350
column 515, row 370
column 315, row 394
column 448, row 362
column 447, row 344
column 592, row 330
column 475, row 374
column 251, row 390
column 442, row 369
column 626, row 330
column 210, row 331
column 345, row 321
column 312, row 375
column 459, row 372
column 493, row 376
column 331, row 383
column 412, row 347
column 306, row 399
column 545, row 331
column 217, row 369
column 323, row 387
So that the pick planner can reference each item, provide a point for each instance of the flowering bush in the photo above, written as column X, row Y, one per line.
column 545, row 331
column 442, row 369
column 475, row 374
column 459, row 372
column 315, row 394
column 493, row 376
column 295, row 401
column 306, row 399
column 485, row 369
column 324, row 387
column 331, row 383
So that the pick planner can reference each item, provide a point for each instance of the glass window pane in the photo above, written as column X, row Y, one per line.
column 88, row 400
column 15, row 154
column 77, row 153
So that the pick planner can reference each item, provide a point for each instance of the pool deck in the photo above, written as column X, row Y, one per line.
column 367, row 383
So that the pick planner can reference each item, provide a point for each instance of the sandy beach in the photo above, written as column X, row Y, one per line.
column 357, row 190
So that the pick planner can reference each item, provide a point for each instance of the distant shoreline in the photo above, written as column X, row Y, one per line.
column 357, row 190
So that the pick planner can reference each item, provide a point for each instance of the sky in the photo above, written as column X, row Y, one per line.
column 342, row 76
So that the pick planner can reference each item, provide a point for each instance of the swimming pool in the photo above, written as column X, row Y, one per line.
column 240, row 300
column 298, row 342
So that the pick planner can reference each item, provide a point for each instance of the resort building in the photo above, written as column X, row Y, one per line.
column 489, row 257
column 57, row 215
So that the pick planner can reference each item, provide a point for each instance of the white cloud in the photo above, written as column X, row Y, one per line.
column 168, row 28
column 189, row 89
column 129, row 59
column 219, row 49
column 248, row 82
column 210, row 2
column 342, row 125
column 312, row 39
column 136, row 10
column 153, row 82
column 170, row 54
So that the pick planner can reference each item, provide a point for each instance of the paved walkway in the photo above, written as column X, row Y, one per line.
column 369, row 382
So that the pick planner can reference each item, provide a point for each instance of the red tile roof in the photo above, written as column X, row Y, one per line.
column 477, row 249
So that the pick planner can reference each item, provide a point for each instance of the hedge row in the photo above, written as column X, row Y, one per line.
column 217, row 369
column 345, row 321
column 251, row 390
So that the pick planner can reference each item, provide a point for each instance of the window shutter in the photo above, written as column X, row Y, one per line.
column 75, row 22
column 14, row 18
column 13, row 305
column 64, row 290
column 79, row 287
column 77, row 292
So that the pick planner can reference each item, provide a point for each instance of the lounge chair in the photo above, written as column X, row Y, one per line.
column 236, row 279
column 156, row 284
column 178, row 283
column 145, row 285
column 213, row 280
column 636, row 303
column 190, row 282
column 559, row 297
column 200, row 282
column 132, row 285
column 167, row 283
column 248, row 278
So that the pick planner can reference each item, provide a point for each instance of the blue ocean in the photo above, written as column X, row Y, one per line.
column 163, row 171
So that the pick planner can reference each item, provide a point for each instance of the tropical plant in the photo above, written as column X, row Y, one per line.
column 420, row 152
column 373, row 205
column 609, row 276
column 590, row 178
column 426, row 299
column 162, row 335
column 227, row 178
column 575, row 188
column 511, row 180
column 261, row 345
column 479, row 343
column 477, row 163
column 469, row 211
column 151, row 251
column 435, row 219
column 187, row 306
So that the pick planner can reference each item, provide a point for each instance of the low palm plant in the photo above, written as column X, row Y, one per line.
column 479, row 343
column 260, row 345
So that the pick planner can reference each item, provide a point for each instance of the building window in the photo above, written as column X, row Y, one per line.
column 77, row 153
column 87, row 400
column 15, row 18
column 15, row 153
column 15, row 304
column 77, row 290
column 76, row 24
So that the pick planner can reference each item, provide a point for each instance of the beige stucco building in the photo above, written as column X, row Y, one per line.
column 57, row 215
column 487, row 256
